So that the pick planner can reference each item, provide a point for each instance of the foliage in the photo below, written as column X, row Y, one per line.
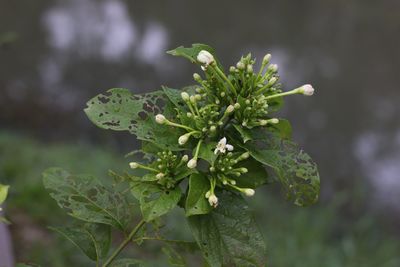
column 219, row 135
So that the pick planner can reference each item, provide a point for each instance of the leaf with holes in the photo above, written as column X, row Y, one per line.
column 155, row 201
column 295, row 169
column 92, row 239
column 229, row 235
column 196, row 202
column 118, row 109
column 84, row 198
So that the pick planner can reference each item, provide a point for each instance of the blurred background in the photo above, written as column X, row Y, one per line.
column 55, row 55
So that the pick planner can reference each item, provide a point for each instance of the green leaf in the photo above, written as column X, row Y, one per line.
column 282, row 128
column 92, row 239
column 174, row 258
column 3, row 192
column 128, row 263
column 154, row 201
column 229, row 234
column 255, row 177
column 275, row 104
column 118, row 109
column 86, row 199
column 295, row 170
column 244, row 133
column 196, row 202
column 206, row 152
column 191, row 52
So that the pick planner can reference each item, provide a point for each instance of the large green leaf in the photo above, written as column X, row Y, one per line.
column 190, row 52
column 93, row 239
column 118, row 109
column 229, row 235
column 196, row 202
column 3, row 192
column 85, row 198
column 206, row 152
column 293, row 167
column 255, row 177
column 155, row 201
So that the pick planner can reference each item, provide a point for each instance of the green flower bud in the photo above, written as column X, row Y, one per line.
column 185, row 96
column 160, row 119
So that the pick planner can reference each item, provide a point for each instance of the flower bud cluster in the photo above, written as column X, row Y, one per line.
column 164, row 168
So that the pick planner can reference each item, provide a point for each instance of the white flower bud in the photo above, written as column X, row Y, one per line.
column 196, row 77
column 185, row 96
column 213, row 128
column 245, row 155
column 208, row 194
column 213, row 200
column 240, row 65
column 272, row 81
column 160, row 175
column 192, row 163
column 236, row 106
column 185, row 158
column 192, row 99
column 249, row 69
column 307, row 90
column 183, row 139
column 133, row 165
column 205, row 57
column 232, row 69
column 263, row 122
column 160, row 119
column 274, row 121
column 248, row 192
column 212, row 169
column 197, row 97
column 273, row 67
column 222, row 94
column 266, row 59
column 230, row 109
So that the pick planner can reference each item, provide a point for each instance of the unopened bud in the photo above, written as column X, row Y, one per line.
column 249, row 69
column 240, row 65
column 183, row 139
column 134, row 165
column 307, row 90
column 266, row 59
column 160, row 175
column 248, row 192
column 232, row 69
column 273, row 67
column 213, row 200
column 185, row 96
column 236, row 106
column 192, row 163
column 272, row 81
column 197, row 77
column 205, row 57
column 160, row 119
column 230, row 109
column 185, row 158
column 213, row 128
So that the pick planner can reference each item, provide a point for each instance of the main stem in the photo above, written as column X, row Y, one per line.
column 124, row 243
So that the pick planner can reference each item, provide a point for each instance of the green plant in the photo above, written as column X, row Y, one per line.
column 3, row 196
column 203, row 147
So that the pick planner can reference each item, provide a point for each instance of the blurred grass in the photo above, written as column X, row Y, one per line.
column 303, row 237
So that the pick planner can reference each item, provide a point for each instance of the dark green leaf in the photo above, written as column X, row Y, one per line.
column 128, row 263
column 293, row 167
column 229, row 234
column 190, row 53
column 154, row 201
column 255, row 177
column 174, row 258
column 118, row 109
column 244, row 133
column 196, row 202
column 207, row 152
column 92, row 239
column 283, row 129
column 86, row 199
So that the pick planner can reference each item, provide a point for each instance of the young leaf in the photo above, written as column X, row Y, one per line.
column 207, row 152
column 229, row 234
column 120, row 110
column 92, row 239
column 86, row 199
column 294, row 168
column 190, row 53
column 196, row 202
column 154, row 201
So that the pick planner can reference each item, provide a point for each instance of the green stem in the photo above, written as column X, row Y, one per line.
column 124, row 243
column 170, row 123
column 223, row 76
column 294, row 91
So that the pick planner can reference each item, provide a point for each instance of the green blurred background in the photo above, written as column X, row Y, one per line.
column 55, row 55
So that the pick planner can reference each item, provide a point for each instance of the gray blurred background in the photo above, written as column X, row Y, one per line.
column 55, row 55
